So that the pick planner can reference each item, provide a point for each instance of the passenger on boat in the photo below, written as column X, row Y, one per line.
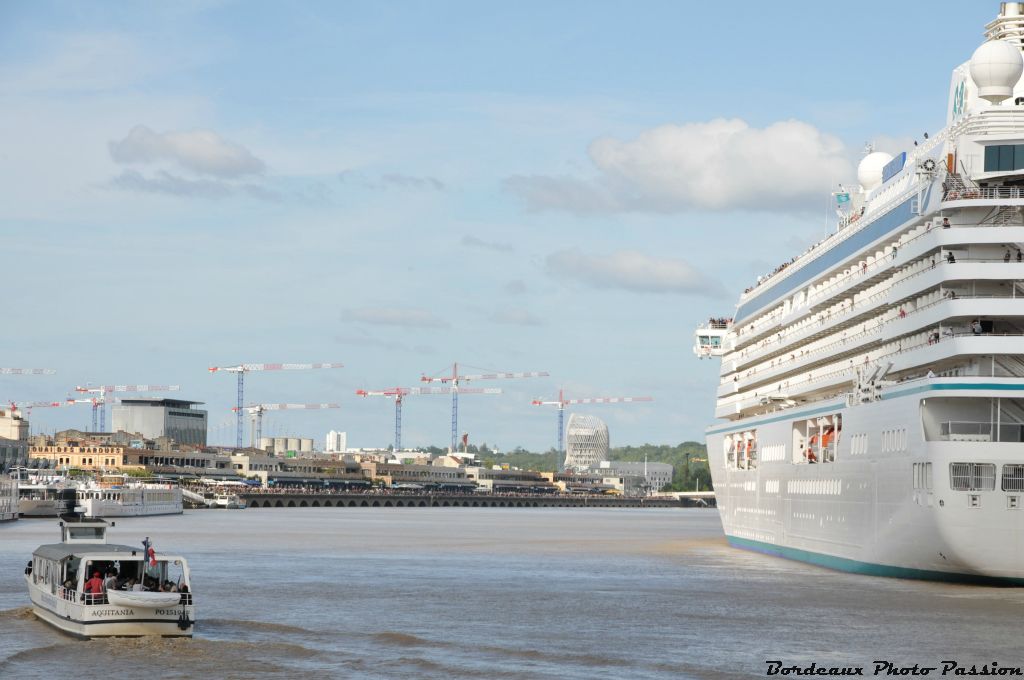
column 94, row 589
column 945, row 223
column 950, row 258
column 28, row 568
column 110, row 582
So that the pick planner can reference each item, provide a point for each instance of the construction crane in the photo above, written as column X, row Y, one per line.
column 257, row 410
column 399, row 393
column 242, row 369
column 95, row 402
column 27, row 406
column 105, row 390
column 562, row 402
column 27, row 371
column 454, row 379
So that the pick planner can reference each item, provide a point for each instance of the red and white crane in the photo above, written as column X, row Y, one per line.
column 242, row 369
column 455, row 379
column 399, row 393
column 562, row 402
column 27, row 406
column 105, row 390
column 257, row 411
column 95, row 402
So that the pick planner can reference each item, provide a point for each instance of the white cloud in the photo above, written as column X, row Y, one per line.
column 515, row 287
column 474, row 242
column 163, row 182
column 517, row 317
column 201, row 151
column 397, row 316
column 723, row 164
column 391, row 180
column 633, row 271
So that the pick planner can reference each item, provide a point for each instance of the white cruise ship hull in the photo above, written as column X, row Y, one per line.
column 862, row 513
column 871, row 395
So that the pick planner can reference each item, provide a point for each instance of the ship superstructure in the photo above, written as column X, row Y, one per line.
column 872, row 388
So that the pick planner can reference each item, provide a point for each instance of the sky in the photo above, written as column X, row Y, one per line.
column 567, row 187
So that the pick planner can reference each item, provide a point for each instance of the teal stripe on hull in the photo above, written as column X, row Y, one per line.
column 867, row 568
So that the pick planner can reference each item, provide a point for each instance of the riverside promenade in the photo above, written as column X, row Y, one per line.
column 299, row 499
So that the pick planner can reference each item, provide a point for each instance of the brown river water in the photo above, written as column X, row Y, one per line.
column 502, row 593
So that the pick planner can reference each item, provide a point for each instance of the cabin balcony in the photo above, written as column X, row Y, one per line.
column 872, row 269
column 934, row 313
column 958, row 347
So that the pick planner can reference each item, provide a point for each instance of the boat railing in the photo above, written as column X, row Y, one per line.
column 833, row 239
column 93, row 599
column 987, row 431
column 982, row 193
column 924, row 339
column 857, row 273
column 873, row 298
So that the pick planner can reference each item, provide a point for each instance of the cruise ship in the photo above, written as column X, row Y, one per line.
column 871, row 401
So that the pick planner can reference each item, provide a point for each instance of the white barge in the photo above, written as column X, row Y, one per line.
column 115, row 496
column 66, row 592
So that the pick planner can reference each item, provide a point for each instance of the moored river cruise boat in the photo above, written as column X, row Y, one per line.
column 871, row 398
column 89, row 588
column 119, row 496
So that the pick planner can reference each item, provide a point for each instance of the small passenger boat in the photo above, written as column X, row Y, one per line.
column 89, row 588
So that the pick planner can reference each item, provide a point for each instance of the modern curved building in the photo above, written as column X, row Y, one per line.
column 586, row 442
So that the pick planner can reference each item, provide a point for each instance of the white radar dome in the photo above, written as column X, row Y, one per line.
column 869, row 172
column 996, row 67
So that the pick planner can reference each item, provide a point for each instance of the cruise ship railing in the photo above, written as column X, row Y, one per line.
column 829, row 376
column 857, row 273
column 983, row 193
column 804, row 354
column 981, row 431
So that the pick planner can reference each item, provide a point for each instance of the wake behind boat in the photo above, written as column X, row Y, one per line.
column 89, row 588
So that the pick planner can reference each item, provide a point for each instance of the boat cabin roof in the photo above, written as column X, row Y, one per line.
column 62, row 551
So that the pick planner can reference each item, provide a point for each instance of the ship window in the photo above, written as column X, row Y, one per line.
column 972, row 476
column 1004, row 157
column 973, row 419
column 1013, row 478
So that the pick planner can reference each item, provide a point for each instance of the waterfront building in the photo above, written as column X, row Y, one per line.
column 13, row 440
column 337, row 442
column 586, row 441
column 299, row 471
column 83, row 455
column 280, row 446
column 420, row 475
column 510, row 481
column 153, row 418
column 639, row 478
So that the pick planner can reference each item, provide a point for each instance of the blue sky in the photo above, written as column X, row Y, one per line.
column 565, row 187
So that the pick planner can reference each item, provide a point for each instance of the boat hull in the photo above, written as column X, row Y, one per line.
column 864, row 513
column 106, row 620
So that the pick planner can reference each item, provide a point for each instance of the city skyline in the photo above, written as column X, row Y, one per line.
column 566, row 188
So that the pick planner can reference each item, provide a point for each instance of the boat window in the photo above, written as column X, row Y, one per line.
column 972, row 476
column 816, row 440
column 973, row 419
column 741, row 450
column 1002, row 157
column 85, row 532
column 1013, row 478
